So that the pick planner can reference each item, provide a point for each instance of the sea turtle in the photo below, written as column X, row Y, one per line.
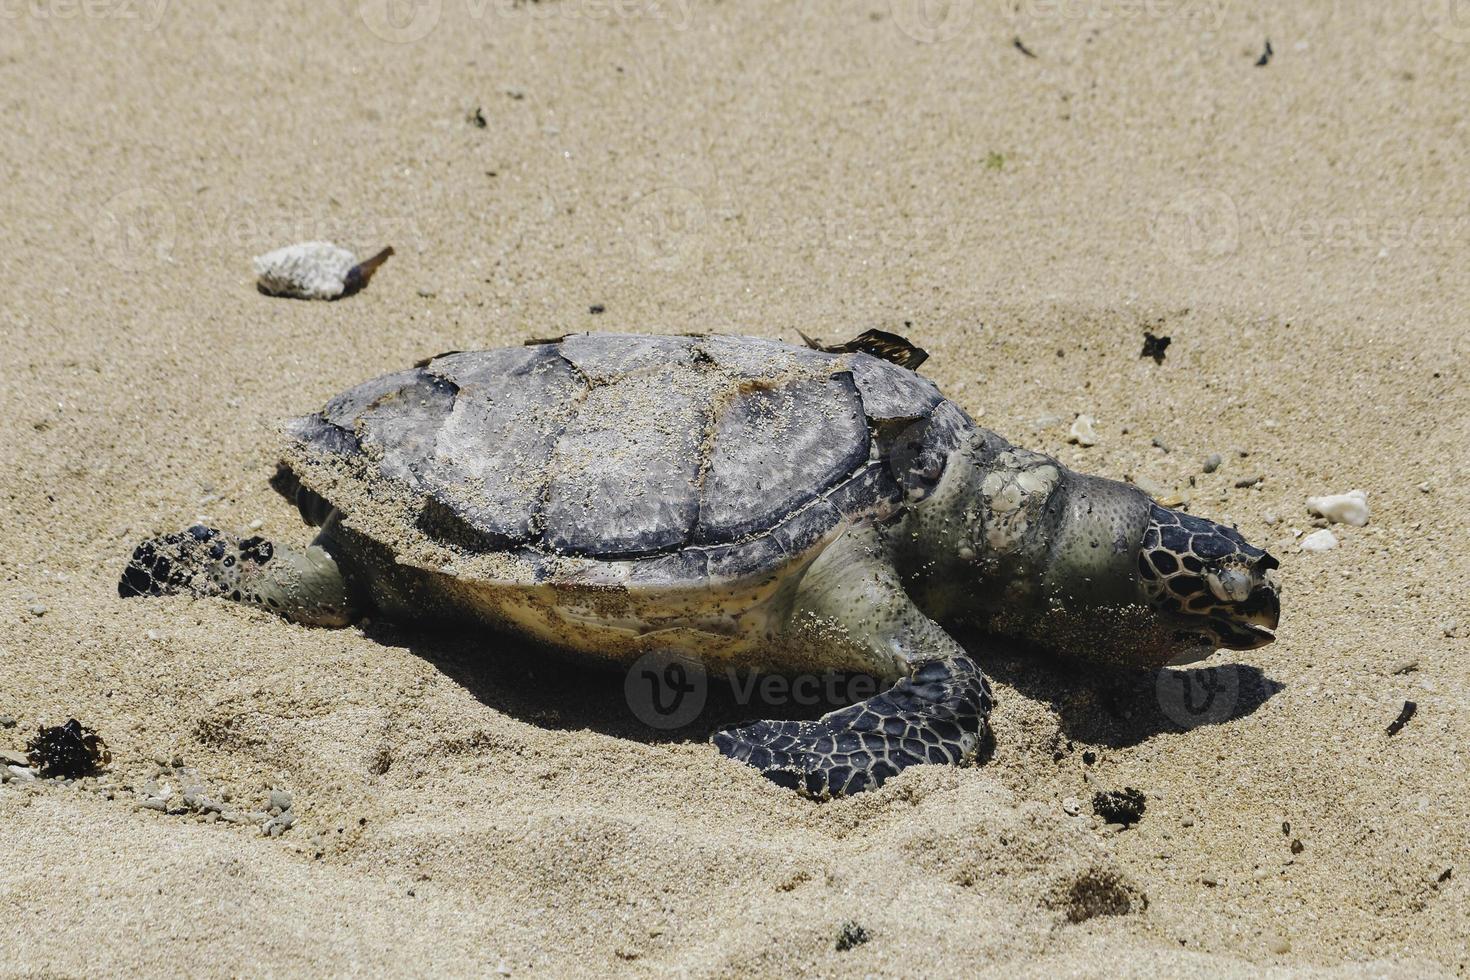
column 746, row 503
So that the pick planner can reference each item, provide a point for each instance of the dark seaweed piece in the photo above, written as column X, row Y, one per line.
column 1265, row 58
column 69, row 750
column 851, row 934
column 1155, row 346
column 1398, row 723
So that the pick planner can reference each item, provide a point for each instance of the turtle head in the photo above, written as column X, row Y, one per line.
column 1212, row 587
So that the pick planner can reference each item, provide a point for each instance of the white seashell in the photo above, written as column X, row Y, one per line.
column 1323, row 540
column 314, row 270
column 1082, row 432
column 1342, row 508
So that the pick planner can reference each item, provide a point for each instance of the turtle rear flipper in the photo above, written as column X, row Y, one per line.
column 305, row 586
column 935, row 712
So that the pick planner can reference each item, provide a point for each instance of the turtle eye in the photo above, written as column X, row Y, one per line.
column 1229, row 585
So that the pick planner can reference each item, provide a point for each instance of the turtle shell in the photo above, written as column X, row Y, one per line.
column 685, row 456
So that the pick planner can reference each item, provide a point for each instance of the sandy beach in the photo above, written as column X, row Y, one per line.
column 1025, row 192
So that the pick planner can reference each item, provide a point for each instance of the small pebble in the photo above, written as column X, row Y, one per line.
column 1277, row 945
column 1212, row 462
column 1071, row 806
column 7, row 721
column 1405, row 667
column 255, row 525
column 1341, row 508
column 38, row 608
column 1082, row 432
column 279, row 825
column 13, row 758
column 154, row 635
column 21, row 774
column 154, row 803
column 280, row 799
column 1160, row 444
column 1323, row 540
column 1271, row 518
column 1449, row 626
column 1245, row 483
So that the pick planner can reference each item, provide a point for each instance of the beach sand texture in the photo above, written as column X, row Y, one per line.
column 1300, row 229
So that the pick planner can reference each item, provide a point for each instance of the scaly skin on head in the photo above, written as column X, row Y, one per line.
column 1022, row 546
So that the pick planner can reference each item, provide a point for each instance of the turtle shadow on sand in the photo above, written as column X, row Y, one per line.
column 1114, row 707
column 1124, row 706
column 650, row 703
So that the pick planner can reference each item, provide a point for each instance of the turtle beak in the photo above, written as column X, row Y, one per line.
column 1263, row 608
column 1249, row 624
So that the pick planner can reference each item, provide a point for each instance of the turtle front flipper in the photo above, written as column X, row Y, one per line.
column 936, row 712
column 304, row 586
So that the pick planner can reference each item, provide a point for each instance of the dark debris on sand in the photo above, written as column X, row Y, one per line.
column 70, row 751
column 851, row 935
column 1124, row 806
column 1155, row 347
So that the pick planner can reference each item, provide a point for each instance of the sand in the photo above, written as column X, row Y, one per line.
column 1299, row 229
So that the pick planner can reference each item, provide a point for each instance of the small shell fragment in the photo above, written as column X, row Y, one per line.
column 1323, row 540
column 1082, row 432
column 314, row 270
column 1342, row 508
